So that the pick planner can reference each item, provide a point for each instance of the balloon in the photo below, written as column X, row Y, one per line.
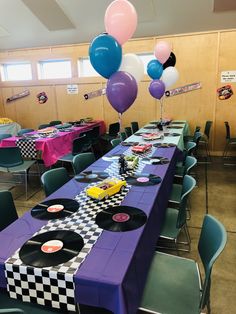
column 170, row 62
column 169, row 76
column 105, row 55
column 154, row 69
column 121, row 20
column 132, row 64
column 157, row 89
column 162, row 51
column 121, row 91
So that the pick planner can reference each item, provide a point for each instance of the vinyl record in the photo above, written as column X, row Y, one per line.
column 121, row 218
column 141, row 133
column 55, row 209
column 129, row 143
column 164, row 145
column 143, row 179
column 154, row 122
column 177, row 122
column 155, row 160
column 174, row 134
column 51, row 248
column 149, row 127
column 174, row 127
column 91, row 176
column 112, row 157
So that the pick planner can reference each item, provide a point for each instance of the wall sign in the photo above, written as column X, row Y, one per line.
column 72, row 89
column 228, row 76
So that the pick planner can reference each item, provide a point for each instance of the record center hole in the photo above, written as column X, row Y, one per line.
column 121, row 217
column 52, row 246
column 55, row 208
column 142, row 179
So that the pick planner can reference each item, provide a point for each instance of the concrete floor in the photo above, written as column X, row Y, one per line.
column 221, row 186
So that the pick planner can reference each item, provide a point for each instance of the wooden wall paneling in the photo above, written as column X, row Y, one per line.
column 75, row 107
column 226, row 109
column 2, row 111
column 9, row 107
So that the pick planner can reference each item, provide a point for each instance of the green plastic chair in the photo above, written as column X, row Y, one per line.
column 2, row 136
column 189, row 163
column 230, row 141
column 176, row 220
column 53, row 179
column 14, row 306
column 113, row 131
column 11, row 161
column 173, row 284
column 134, row 126
column 43, row 126
column 128, row 131
column 82, row 161
column 188, row 151
column 23, row 131
column 123, row 136
column 79, row 145
column 55, row 122
column 115, row 142
column 204, row 140
column 8, row 210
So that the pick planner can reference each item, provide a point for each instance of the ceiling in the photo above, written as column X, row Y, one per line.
column 33, row 23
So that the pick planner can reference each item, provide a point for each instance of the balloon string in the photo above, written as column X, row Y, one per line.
column 120, row 121
column 161, row 102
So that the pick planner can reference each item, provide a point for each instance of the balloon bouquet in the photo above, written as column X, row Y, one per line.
column 105, row 54
column 162, row 71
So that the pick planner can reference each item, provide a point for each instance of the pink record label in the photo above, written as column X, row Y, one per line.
column 52, row 246
column 143, row 179
column 55, row 208
column 121, row 217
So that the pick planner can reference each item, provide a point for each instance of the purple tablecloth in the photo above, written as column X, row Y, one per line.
column 113, row 274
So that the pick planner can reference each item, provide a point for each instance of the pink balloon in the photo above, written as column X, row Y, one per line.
column 121, row 20
column 162, row 51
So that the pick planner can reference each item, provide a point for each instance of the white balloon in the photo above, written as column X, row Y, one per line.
column 132, row 64
column 169, row 76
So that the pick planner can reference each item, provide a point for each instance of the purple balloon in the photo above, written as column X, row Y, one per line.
column 121, row 90
column 157, row 89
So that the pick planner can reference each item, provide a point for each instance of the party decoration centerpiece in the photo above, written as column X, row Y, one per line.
column 105, row 54
column 163, row 72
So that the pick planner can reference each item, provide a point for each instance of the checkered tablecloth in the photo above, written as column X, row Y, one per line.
column 54, row 286
column 27, row 148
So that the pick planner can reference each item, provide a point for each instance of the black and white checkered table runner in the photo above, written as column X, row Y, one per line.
column 54, row 286
column 27, row 147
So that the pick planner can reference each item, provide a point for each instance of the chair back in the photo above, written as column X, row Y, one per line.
column 7, row 209
column 123, row 136
column 82, row 161
column 95, row 134
column 43, row 126
column 10, row 157
column 190, row 162
column 81, row 144
column 23, row 131
column 55, row 122
column 53, row 179
column 207, row 128
column 211, row 243
column 196, row 138
column 115, row 142
column 114, row 129
column 227, row 128
column 134, row 126
column 188, row 184
column 128, row 131
column 2, row 136
column 189, row 149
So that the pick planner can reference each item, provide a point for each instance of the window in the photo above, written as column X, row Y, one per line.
column 146, row 57
column 85, row 68
column 16, row 71
column 54, row 69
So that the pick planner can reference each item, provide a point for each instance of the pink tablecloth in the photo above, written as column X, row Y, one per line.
column 53, row 148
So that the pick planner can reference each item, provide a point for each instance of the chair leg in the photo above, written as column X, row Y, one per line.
column 26, row 185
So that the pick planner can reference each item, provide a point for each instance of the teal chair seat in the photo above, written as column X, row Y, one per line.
column 170, row 230
column 176, row 193
column 172, row 286
column 115, row 142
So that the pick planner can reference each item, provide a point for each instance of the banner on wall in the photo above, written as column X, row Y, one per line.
column 96, row 93
column 183, row 89
column 17, row 96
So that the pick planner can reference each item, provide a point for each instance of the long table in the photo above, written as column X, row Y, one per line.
column 114, row 272
column 10, row 128
column 55, row 147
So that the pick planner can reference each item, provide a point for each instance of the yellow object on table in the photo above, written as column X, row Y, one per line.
column 5, row 121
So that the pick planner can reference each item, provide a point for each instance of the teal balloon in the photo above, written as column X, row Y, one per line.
column 154, row 69
column 105, row 55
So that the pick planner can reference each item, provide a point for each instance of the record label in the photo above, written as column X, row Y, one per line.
column 55, row 208
column 120, row 217
column 143, row 179
column 52, row 246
